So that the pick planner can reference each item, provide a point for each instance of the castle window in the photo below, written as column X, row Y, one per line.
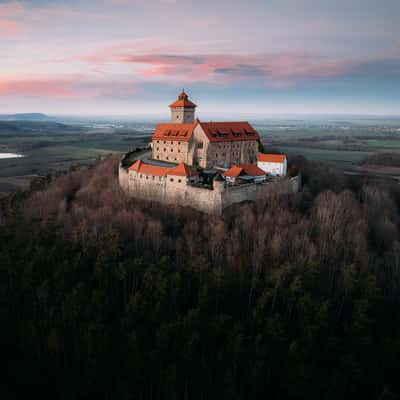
column 158, row 148
column 200, row 145
column 172, row 150
column 179, row 180
column 158, row 157
column 165, row 142
column 179, row 142
column 167, row 158
column 165, row 149
column 179, row 151
column 147, row 177
column 171, row 180
column 158, row 141
column 172, row 142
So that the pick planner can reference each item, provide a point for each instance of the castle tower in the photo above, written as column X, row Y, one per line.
column 182, row 110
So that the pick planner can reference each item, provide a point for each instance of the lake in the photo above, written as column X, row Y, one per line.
column 10, row 155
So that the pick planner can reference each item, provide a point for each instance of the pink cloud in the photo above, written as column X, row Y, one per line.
column 74, row 86
column 40, row 88
column 12, row 9
column 284, row 69
column 10, row 29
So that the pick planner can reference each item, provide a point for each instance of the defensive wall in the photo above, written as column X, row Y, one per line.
column 211, row 201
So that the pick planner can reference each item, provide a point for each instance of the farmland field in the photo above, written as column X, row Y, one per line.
column 53, row 145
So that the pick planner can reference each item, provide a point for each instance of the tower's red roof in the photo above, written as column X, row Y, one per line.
column 183, row 101
column 229, row 131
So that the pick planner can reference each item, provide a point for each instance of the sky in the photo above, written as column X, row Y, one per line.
column 261, row 57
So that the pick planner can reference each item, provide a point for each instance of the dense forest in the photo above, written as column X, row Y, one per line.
column 293, row 297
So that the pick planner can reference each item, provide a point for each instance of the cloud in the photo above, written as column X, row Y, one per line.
column 271, row 67
column 11, row 9
column 74, row 87
column 10, row 29
column 39, row 87
column 276, row 70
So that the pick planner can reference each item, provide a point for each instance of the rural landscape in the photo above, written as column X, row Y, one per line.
column 54, row 145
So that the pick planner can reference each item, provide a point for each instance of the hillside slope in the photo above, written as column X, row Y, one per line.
column 110, row 297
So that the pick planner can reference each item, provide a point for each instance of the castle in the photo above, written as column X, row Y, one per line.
column 204, row 165
column 203, row 144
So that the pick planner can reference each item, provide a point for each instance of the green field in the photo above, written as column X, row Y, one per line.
column 340, row 142
column 50, row 146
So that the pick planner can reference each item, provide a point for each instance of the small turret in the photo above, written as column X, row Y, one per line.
column 182, row 110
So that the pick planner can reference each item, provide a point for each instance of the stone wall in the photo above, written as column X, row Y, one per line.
column 253, row 192
column 182, row 115
column 222, row 154
column 174, row 151
column 176, row 190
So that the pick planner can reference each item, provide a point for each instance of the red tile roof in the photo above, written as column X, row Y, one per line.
column 244, row 169
column 155, row 170
column 148, row 169
column 172, row 131
column 272, row 158
column 233, row 172
column 183, row 170
column 215, row 131
column 183, row 101
column 229, row 131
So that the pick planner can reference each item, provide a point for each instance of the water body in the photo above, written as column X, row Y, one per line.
column 10, row 155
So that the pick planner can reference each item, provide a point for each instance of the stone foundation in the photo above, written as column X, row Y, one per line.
column 210, row 201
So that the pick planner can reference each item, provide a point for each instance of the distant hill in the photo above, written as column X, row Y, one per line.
column 24, row 117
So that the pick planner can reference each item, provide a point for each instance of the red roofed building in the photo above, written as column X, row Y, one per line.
column 152, row 178
column 206, row 144
column 273, row 164
column 247, row 172
column 148, row 169
column 183, row 170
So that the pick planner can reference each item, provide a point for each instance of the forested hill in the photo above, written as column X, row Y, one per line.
column 112, row 298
